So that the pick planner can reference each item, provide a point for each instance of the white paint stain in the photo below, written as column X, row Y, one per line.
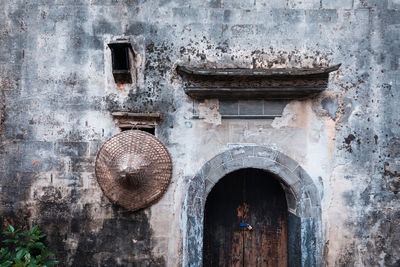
column 209, row 111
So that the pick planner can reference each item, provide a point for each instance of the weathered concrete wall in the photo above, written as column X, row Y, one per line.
column 57, row 94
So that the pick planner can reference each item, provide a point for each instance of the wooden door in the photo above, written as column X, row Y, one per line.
column 246, row 197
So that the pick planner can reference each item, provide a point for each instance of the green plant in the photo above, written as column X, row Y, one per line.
column 25, row 249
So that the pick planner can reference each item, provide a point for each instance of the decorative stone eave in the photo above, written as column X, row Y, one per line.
column 290, row 83
column 256, row 72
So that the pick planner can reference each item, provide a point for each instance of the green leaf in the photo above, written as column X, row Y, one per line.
column 26, row 246
column 33, row 262
column 38, row 245
column 51, row 263
column 27, row 257
column 34, row 230
column 39, row 258
column 41, row 236
column 17, row 261
column 19, row 254
column 6, row 264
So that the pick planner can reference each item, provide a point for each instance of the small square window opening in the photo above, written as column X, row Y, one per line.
column 122, row 55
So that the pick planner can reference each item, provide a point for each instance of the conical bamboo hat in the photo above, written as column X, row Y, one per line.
column 134, row 169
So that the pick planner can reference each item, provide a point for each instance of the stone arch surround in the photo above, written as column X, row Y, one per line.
column 304, row 209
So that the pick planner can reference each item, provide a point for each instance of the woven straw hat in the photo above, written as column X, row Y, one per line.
column 133, row 169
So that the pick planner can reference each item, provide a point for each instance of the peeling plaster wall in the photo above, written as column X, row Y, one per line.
column 57, row 95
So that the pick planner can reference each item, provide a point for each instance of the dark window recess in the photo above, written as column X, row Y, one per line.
column 150, row 129
column 122, row 54
column 121, row 58
column 145, row 121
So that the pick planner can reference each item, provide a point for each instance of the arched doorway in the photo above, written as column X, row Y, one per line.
column 245, row 221
column 305, row 239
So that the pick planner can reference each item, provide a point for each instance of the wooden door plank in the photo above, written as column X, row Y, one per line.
column 267, row 214
column 223, row 240
column 247, row 196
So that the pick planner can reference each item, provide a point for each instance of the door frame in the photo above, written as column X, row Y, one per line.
column 303, row 200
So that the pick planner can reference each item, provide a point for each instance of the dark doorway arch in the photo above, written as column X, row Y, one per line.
column 245, row 221
column 305, row 239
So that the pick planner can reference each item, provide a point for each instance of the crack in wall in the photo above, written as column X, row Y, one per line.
column 5, row 83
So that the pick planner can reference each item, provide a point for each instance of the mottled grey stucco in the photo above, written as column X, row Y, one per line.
column 57, row 94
